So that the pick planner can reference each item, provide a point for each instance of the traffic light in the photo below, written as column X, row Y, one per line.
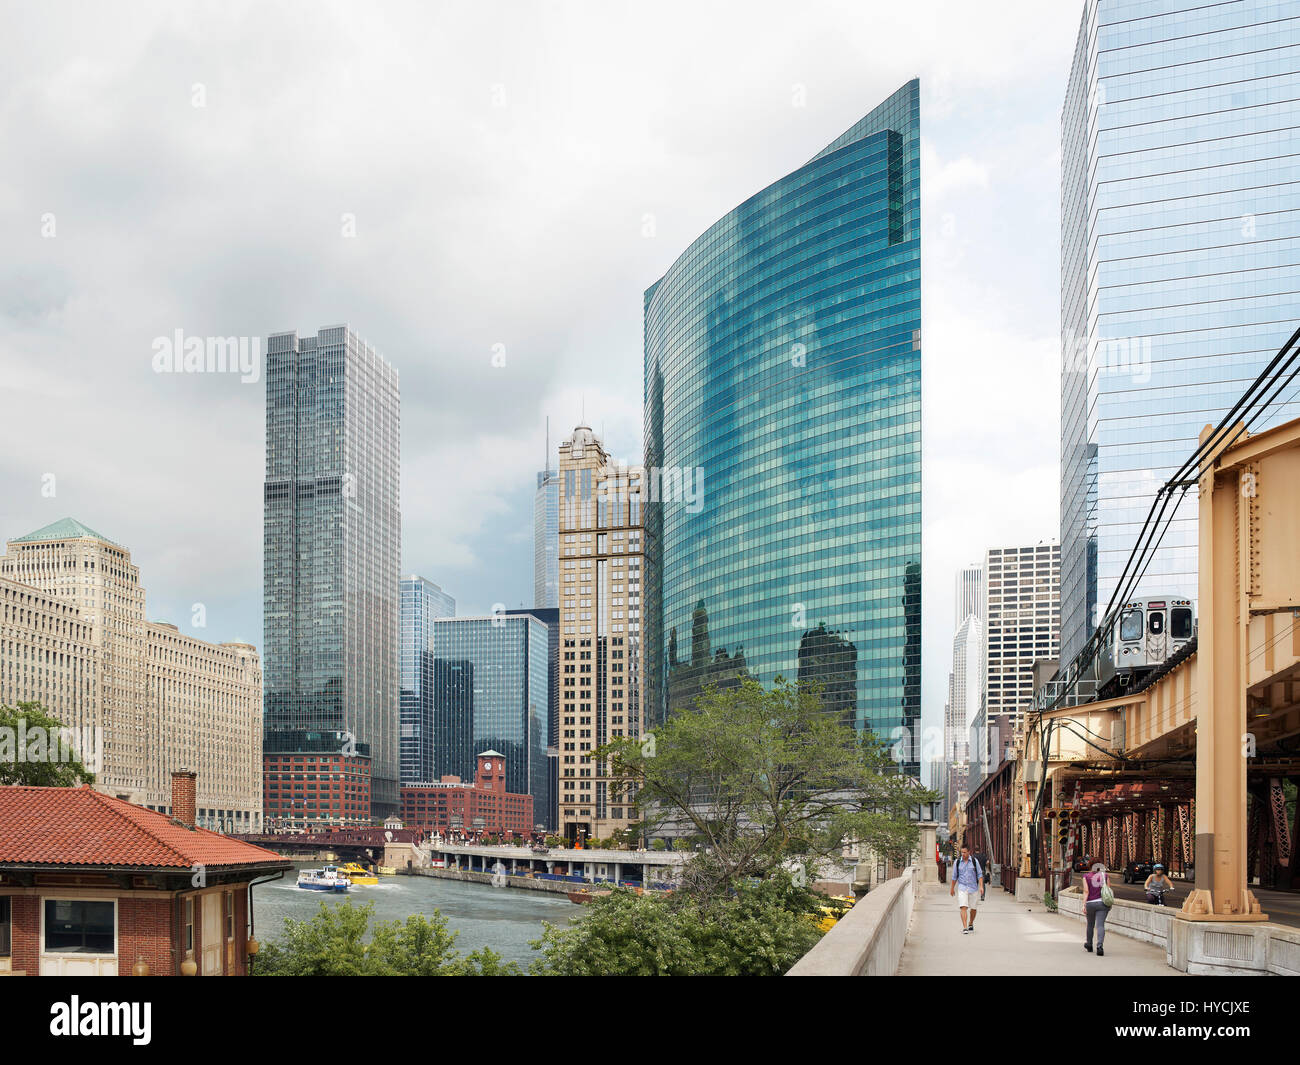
column 1063, row 826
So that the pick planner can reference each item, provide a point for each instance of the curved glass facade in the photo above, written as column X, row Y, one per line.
column 783, row 381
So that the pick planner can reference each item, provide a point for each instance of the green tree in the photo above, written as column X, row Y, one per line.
column 762, row 777
column 761, row 931
column 337, row 942
column 41, row 760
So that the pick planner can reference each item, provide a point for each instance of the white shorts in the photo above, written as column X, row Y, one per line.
column 967, row 898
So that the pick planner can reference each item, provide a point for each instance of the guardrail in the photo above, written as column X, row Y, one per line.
column 869, row 940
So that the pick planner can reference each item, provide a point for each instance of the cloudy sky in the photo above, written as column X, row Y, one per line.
column 450, row 177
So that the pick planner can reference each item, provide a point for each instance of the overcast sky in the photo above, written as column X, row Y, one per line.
column 515, row 174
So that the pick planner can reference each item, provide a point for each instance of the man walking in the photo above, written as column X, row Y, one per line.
column 967, row 883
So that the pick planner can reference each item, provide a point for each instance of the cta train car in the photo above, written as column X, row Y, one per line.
column 1139, row 638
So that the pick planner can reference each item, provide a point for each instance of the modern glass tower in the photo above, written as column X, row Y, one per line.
column 422, row 602
column 491, row 683
column 1180, row 245
column 546, row 539
column 783, row 367
column 332, row 540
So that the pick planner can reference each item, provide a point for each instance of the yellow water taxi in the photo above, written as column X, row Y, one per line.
column 358, row 873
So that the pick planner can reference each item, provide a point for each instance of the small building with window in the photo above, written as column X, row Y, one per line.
column 91, row 885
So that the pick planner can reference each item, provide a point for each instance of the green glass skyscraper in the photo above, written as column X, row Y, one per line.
column 783, row 382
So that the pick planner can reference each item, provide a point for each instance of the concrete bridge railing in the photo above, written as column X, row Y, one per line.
column 869, row 940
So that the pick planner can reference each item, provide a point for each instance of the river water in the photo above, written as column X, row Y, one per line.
column 505, row 919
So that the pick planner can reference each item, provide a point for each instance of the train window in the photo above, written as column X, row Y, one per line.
column 1130, row 625
column 1180, row 623
column 1156, row 622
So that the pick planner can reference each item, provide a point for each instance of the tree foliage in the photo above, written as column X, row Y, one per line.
column 29, row 750
column 763, row 930
column 762, row 777
column 338, row 941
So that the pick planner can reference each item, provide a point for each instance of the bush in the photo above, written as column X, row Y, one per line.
column 335, row 943
column 761, row 931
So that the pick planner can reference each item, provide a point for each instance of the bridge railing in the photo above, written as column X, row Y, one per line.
column 869, row 940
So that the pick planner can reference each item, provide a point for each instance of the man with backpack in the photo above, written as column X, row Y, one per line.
column 967, row 884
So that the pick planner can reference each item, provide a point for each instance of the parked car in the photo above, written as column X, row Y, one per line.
column 1138, row 870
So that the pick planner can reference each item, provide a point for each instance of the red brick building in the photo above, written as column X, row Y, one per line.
column 94, row 886
column 481, row 808
column 315, row 789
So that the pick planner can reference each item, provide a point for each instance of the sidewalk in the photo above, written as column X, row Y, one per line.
column 1014, row 939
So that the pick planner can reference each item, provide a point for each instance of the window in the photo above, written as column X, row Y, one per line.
column 1156, row 622
column 1130, row 625
column 230, row 916
column 189, row 926
column 1180, row 623
column 74, row 926
column 5, row 921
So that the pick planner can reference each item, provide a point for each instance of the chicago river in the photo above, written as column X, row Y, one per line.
column 505, row 919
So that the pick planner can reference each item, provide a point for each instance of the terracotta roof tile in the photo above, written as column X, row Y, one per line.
column 81, row 826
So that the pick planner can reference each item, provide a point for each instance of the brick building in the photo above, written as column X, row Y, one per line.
column 481, row 808
column 324, row 783
column 91, row 885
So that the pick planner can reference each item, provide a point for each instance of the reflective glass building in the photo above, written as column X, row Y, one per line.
column 491, row 690
column 422, row 601
column 783, row 367
column 546, row 539
column 1180, row 245
column 331, row 542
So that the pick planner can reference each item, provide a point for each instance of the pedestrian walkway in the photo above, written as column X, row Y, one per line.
column 1014, row 939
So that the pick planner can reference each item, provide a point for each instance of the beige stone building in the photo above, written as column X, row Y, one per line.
column 602, row 674
column 48, row 655
column 75, row 638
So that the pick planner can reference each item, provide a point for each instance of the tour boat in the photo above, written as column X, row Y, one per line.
column 359, row 874
column 327, row 879
column 583, row 895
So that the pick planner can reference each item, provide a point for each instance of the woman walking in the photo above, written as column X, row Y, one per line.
column 1096, row 907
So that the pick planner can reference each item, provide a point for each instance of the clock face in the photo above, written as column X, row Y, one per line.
column 487, row 765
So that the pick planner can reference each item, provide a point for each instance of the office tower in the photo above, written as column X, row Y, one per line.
column 1022, row 596
column 550, row 617
column 970, row 584
column 490, row 681
column 965, row 688
column 1180, row 197
column 546, row 539
column 142, row 697
column 783, row 437
column 421, row 602
column 601, row 544
column 332, row 548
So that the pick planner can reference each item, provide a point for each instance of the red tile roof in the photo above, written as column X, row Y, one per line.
column 81, row 826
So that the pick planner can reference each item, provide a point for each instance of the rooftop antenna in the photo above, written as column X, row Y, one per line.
column 546, row 462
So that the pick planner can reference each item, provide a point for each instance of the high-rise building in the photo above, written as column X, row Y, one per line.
column 550, row 616
column 142, row 698
column 602, row 559
column 1021, row 607
column 546, row 539
column 783, row 381
column 970, row 584
column 331, row 565
column 491, row 678
column 1180, row 235
column 421, row 601
column 965, row 688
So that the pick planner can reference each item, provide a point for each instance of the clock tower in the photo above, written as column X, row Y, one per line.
column 491, row 774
